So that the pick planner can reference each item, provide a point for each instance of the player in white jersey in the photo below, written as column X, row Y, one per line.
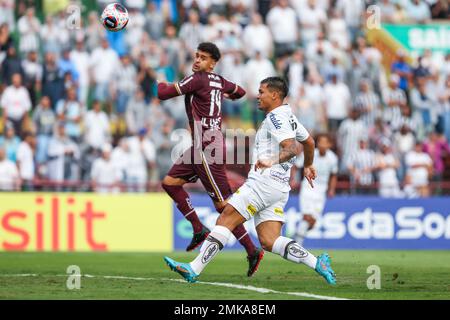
column 266, row 191
column 312, row 201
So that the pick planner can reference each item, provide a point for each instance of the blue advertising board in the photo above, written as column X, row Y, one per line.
column 349, row 223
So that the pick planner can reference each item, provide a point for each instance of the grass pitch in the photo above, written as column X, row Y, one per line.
column 404, row 275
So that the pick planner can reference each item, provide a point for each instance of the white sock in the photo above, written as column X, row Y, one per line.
column 292, row 251
column 211, row 246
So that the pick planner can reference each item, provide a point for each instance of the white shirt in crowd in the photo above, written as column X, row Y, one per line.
column 279, row 125
column 349, row 134
column 418, row 176
column 283, row 24
column 337, row 100
column 141, row 152
column 255, row 70
column 96, row 128
column 387, row 176
column 16, row 102
column 9, row 175
column 311, row 20
column 325, row 166
column 26, row 161
column 105, row 173
column 81, row 61
column 257, row 37
column 104, row 63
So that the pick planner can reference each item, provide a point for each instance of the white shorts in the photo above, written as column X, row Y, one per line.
column 312, row 202
column 260, row 201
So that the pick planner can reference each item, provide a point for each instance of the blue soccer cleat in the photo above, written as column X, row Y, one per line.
column 184, row 269
column 323, row 268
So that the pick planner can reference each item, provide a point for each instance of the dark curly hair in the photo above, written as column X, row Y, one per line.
column 210, row 48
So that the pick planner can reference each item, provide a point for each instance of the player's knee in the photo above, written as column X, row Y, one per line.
column 169, row 181
column 266, row 243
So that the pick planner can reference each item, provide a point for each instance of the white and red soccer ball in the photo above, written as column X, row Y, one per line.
column 115, row 17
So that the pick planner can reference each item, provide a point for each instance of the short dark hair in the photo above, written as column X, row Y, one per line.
column 210, row 48
column 278, row 84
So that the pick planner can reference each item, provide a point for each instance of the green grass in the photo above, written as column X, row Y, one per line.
column 404, row 275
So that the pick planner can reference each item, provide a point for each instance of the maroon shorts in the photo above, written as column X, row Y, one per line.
column 211, row 174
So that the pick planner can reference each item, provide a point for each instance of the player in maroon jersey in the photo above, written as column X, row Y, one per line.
column 205, row 160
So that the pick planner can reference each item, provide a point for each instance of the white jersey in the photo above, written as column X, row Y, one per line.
column 325, row 166
column 279, row 125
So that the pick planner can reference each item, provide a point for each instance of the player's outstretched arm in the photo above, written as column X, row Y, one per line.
column 167, row 91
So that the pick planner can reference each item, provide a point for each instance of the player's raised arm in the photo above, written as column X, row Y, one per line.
column 189, row 84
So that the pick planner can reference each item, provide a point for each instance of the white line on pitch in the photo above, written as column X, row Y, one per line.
column 218, row 284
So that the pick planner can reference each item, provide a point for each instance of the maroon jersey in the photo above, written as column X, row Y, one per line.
column 203, row 99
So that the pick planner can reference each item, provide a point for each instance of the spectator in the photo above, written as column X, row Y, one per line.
column 7, row 13
column 352, row 11
column 10, row 142
column 96, row 125
column 9, row 174
column 337, row 102
column 256, row 68
column 337, row 30
column 80, row 59
column 164, row 146
column 258, row 38
column 33, row 75
column 103, row 62
column 419, row 169
column 11, row 65
column 136, row 113
column 424, row 104
column 63, row 156
column 282, row 21
column 394, row 100
column 125, row 83
column 418, row 11
column 296, row 72
column 437, row 147
column 312, row 21
column 29, row 27
column 192, row 32
column 106, row 175
column 387, row 164
column 387, row 11
column 121, row 158
column 146, row 78
column 53, row 37
column 66, row 65
column 361, row 166
column 403, row 70
column 154, row 22
column 142, row 158
column 6, row 40
column 25, row 160
column 52, row 80
column 404, row 142
column 368, row 103
column 351, row 131
column 379, row 132
column 94, row 32
column 16, row 103
column 70, row 112
column 44, row 120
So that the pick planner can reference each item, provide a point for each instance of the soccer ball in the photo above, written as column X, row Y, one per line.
column 115, row 17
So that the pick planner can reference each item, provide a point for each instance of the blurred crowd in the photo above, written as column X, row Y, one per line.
column 80, row 112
